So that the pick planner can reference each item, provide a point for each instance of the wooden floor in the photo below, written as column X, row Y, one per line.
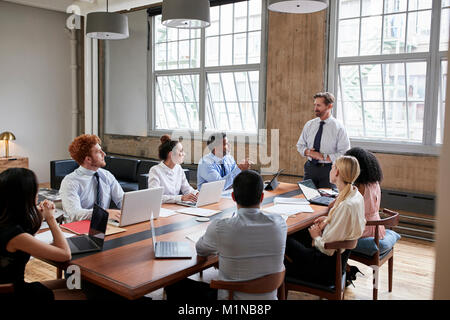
column 413, row 275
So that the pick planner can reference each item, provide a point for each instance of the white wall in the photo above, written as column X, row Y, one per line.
column 35, row 89
column 126, row 80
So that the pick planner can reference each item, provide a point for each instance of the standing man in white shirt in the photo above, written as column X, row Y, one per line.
column 89, row 183
column 323, row 140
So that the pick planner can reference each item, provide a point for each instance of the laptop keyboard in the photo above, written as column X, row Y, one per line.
column 82, row 243
column 166, row 248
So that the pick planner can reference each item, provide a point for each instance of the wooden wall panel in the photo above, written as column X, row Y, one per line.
column 295, row 72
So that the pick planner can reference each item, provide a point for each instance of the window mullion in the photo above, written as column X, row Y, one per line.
column 239, row 102
column 433, row 78
column 407, row 101
column 362, row 102
column 384, row 102
column 202, row 83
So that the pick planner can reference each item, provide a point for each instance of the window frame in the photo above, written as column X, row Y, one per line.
column 433, row 59
column 203, row 71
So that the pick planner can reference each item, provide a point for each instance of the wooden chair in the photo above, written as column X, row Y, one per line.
column 334, row 292
column 264, row 284
column 377, row 259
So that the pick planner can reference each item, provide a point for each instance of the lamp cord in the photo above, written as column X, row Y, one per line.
column 107, row 5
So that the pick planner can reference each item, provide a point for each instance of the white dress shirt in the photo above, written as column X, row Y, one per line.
column 347, row 222
column 172, row 180
column 250, row 245
column 334, row 142
column 79, row 191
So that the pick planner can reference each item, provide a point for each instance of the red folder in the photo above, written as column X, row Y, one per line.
column 78, row 227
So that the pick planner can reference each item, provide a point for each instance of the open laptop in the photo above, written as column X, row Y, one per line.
column 311, row 193
column 137, row 206
column 273, row 183
column 170, row 249
column 96, row 237
column 209, row 193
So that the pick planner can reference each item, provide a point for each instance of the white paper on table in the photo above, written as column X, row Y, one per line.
column 47, row 236
column 299, row 201
column 166, row 213
column 198, row 212
column 227, row 194
column 44, row 225
column 287, row 209
column 195, row 236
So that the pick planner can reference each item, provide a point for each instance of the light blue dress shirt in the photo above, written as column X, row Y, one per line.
column 209, row 169
column 250, row 245
column 79, row 189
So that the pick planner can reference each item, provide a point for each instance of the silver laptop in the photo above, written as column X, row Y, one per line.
column 312, row 194
column 170, row 249
column 209, row 193
column 138, row 206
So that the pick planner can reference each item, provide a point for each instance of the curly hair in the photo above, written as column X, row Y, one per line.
column 81, row 147
column 370, row 167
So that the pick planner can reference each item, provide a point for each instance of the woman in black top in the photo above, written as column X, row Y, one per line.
column 20, row 219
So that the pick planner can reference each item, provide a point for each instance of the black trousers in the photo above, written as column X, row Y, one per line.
column 319, row 174
column 190, row 290
column 309, row 264
column 33, row 291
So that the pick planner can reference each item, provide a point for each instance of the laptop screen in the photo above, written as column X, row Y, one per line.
column 97, row 228
column 309, row 189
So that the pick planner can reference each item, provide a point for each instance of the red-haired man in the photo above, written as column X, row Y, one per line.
column 89, row 183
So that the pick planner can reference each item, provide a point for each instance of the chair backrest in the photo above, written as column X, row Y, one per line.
column 6, row 288
column 340, row 267
column 391, row 221
column 264, row 284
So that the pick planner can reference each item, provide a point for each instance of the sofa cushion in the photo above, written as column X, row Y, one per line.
column 367, row 246
column 123, row 169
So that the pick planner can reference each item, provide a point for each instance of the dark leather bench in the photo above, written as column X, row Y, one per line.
column 132, row 174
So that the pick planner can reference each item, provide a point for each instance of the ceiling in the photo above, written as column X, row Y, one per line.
column 86, row 6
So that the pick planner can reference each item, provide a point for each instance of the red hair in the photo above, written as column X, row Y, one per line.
column 81, row 147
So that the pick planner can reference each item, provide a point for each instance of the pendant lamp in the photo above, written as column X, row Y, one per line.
column 297, row 6
column 107, row 25
column 188, row 14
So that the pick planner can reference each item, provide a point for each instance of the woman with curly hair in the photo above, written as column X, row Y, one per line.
column 368, row 184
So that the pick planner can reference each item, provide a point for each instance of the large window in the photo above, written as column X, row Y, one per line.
column 206, row 80
column 388, row 67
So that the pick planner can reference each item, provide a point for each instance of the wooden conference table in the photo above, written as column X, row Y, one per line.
column 127, row 265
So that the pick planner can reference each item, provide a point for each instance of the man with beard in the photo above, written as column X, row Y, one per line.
column 89, row 183
column 322, row 141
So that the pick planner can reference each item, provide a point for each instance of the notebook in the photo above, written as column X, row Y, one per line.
column 209, row 193
column 170, row 249
column 96, row 237
column 311, row 193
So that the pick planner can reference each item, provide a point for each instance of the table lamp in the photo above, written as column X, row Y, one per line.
column 7, row 136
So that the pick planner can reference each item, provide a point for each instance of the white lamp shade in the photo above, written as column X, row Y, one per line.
column 297, row 6
column 189, row 14
column 107, row 25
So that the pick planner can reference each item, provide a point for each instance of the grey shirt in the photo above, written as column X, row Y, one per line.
column 250, row 245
